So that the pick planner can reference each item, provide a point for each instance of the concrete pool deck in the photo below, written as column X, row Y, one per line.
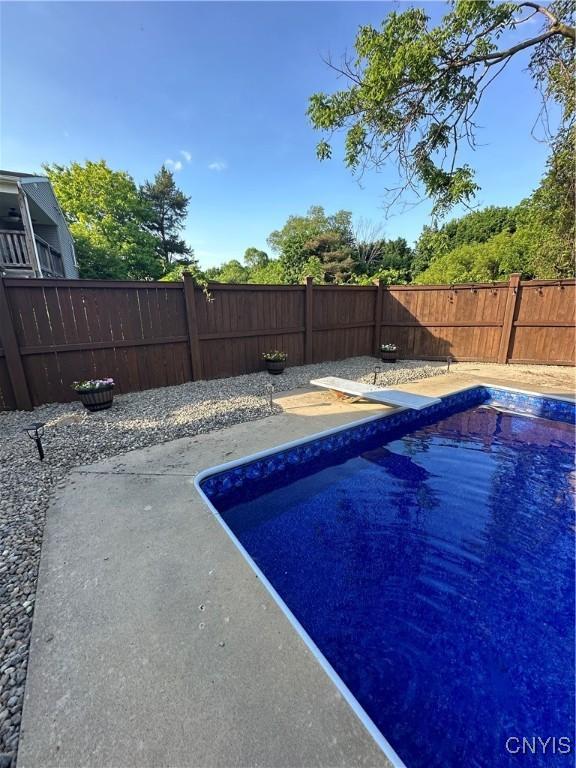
column 154, row 643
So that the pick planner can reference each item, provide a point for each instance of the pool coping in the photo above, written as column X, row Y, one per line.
column 378, row 737
column 358, row 422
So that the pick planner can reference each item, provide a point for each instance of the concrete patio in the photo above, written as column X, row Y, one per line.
column 154, row 644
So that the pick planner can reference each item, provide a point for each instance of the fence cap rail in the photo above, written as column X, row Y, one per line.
column 346, row 287
column 57, row 282
column 213, row 285
column 548, row 283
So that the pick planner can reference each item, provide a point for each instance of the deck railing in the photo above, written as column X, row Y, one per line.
column 14, row 254
column 50, row 259
column 13, row 250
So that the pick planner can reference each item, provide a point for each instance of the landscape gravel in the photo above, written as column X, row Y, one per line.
column 74, row 436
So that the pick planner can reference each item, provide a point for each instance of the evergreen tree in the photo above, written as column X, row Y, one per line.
column 168, row 208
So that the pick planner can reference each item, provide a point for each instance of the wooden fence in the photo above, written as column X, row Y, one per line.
column 146, row 335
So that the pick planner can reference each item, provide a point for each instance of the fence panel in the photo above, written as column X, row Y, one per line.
column 239, row 322
column 69, row 330
column 342, row 322
column 432, row 322
column 543, row 327
column 148, row 335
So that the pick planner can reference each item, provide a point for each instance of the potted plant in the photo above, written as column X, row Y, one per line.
column 388, row 353
column 275, row 361
column 96, row 394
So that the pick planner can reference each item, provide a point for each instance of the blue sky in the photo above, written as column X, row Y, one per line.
column 221, row 90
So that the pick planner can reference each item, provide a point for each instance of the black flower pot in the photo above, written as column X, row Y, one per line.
column 275, row 367
column 389, row 357
column 97, row 399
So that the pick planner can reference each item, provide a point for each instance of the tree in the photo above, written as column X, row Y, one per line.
column 534, row 250
column 550, row 213
column 479, row 226
column 414, row 89
column 95, row 262
column 372, row 258
column 295, row 241
column 478, row 262
column 107, row 219
column 313, row 268
column 229, row 272
column 474, row 227
column 386, row 276
column 255, row 259
column 535, row 238
column 271, row 273
column 432, row 243
column 374, row 254
column 167, row 210
column 334, row 256
column 368, row 238
column 180, row 269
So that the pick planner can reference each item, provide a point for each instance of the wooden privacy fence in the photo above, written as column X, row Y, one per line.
column 146, row 335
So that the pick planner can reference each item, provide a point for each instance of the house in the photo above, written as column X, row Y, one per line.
column 34, row 237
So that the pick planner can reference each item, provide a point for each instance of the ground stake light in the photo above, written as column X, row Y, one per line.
column 35, row 431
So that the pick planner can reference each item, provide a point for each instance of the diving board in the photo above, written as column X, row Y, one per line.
column 376, row 394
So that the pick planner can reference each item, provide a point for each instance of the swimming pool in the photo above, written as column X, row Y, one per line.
column 428, row 560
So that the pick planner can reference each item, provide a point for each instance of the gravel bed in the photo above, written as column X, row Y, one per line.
column 73, row 436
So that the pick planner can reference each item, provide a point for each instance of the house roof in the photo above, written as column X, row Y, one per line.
column 21, row 175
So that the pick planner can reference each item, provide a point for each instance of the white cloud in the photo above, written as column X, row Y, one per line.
column 218, row 165
column 175, row 164
column 186, row 155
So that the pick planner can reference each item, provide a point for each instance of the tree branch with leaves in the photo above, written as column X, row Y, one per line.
column 413, row 90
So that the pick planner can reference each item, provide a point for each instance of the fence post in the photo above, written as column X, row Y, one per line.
column 308, row 320
column 192, row 322
column 12, row 353
column 507, row 324
column 378, row 318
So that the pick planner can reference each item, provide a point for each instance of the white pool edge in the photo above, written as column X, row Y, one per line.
column 348, row 696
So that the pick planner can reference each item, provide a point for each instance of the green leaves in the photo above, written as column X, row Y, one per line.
column 536, row 238
column 323, row 150
column 328, row 237
column 121, row 232
column 107, row 219
column 413, row 89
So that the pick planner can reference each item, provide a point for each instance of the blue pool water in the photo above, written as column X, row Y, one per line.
column 434, row 570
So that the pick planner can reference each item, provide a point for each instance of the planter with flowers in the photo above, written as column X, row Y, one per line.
column 388, row 353
column 275, row 361
column 96, row 394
